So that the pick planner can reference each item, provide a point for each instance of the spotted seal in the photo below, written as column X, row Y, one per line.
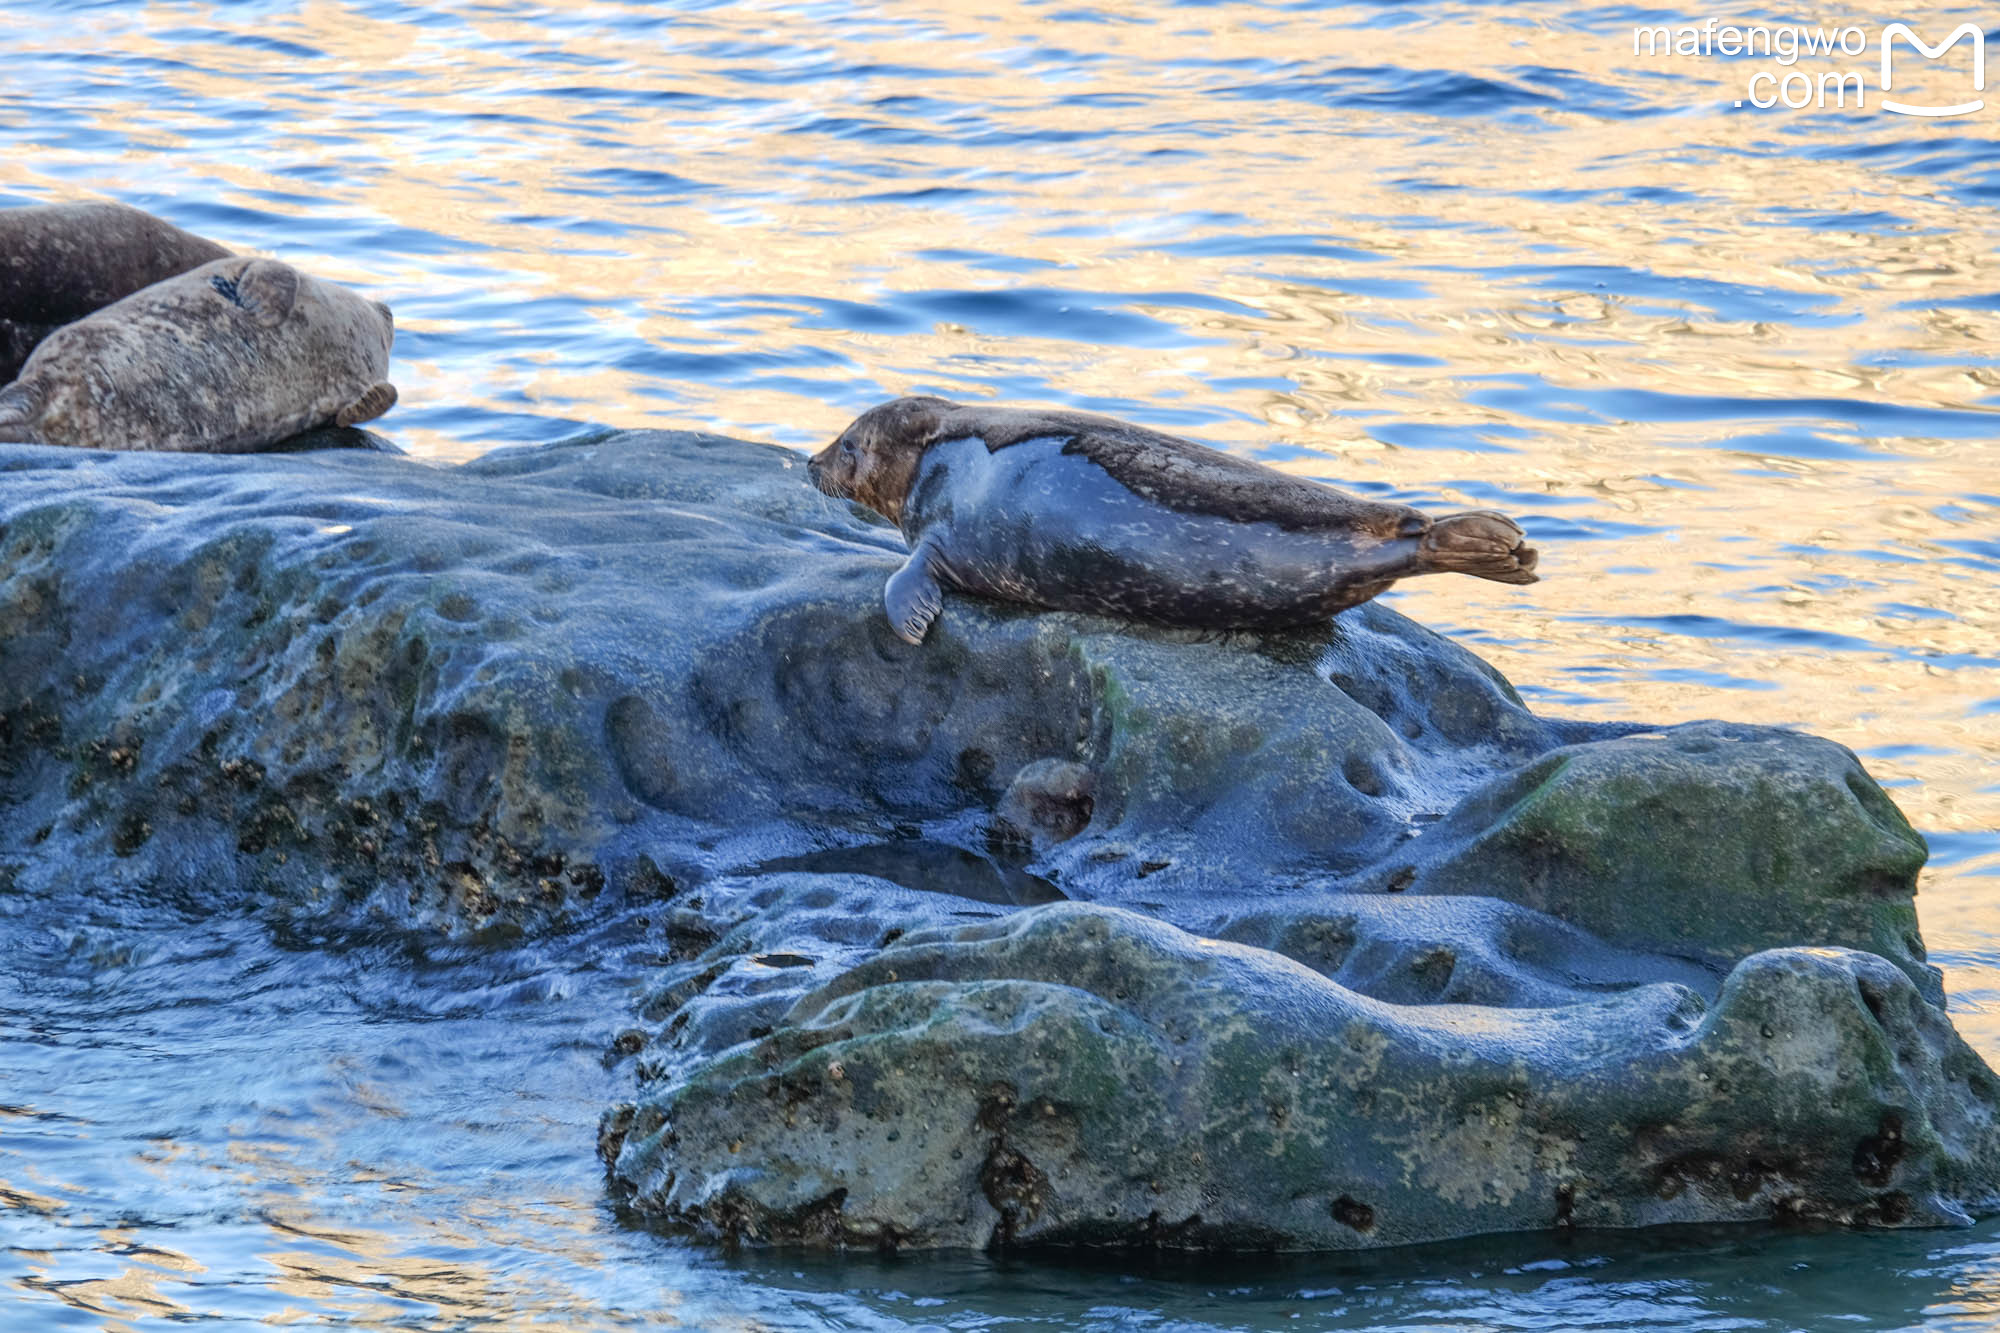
column 1067, row 511
column 230, row 357
column 60, row 262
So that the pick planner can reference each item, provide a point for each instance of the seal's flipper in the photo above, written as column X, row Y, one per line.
column 1481, row 543
column 18, row 340
column 267, row 291
column 19, row 407
column 379, row 399
column 913, row 597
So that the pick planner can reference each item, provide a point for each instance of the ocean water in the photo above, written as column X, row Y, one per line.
column 1737, row 369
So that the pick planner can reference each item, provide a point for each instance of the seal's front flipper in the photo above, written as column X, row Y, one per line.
column 379, row 399
column 267, row 290
column 1481, row 543
column 18, row 339
column 913, row 597
column 19, row 408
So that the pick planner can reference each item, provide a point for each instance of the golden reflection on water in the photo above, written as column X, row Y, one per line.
column 372, row 1249
column 1824, row 588
column 492, row 130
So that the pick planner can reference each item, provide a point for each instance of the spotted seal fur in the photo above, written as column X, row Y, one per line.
column 60, row 262
column 1068, row 511
column 230, row 357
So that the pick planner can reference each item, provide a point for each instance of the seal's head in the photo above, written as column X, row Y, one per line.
column 875, row 460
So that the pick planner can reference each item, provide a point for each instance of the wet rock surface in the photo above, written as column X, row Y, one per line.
column 1051, row 930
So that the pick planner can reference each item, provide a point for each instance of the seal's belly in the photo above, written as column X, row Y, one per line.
column 1031, row 524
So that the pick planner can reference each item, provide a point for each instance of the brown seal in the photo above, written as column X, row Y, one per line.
column 60, row 262
column 1068, row 511
column 231, row 357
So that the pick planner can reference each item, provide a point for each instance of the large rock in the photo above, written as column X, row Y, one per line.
column 1077, row 1073
column 1051, row 929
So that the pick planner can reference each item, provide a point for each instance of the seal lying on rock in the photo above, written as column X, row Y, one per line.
column 229, row 358
column 1083, row 513
column 60, row 262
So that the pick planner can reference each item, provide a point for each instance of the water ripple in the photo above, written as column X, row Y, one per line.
column 1737, row 373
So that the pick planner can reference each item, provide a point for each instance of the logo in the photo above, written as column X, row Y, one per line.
column 1795, row 89
column 1929, row 52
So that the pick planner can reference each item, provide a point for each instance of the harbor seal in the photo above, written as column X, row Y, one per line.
column 60, row 262
column 1066, row 511
column 231, row 357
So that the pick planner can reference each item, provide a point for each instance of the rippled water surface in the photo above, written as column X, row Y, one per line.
column 1736, row 370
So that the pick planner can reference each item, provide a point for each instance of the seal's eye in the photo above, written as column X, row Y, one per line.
column 847, row 448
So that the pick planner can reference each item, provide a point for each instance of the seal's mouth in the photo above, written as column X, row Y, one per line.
column 825, row 485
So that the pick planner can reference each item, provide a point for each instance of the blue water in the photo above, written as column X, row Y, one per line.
column 1737, row 371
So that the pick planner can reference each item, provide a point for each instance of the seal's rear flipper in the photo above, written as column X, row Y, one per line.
column 379, row 399
column 1481, row 543
column 19, row 407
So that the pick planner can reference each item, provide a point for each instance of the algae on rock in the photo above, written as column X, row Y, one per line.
column 1051, row 930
